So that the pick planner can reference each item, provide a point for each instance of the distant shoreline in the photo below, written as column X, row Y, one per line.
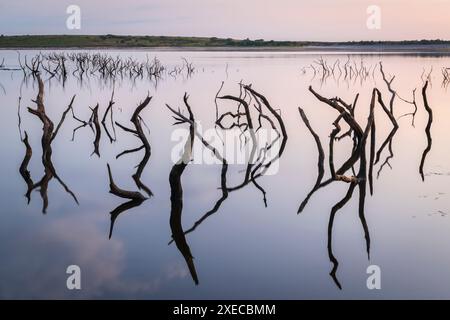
column 155, row 43
column 407, row 50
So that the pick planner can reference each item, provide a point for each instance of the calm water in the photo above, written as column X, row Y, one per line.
column 245, row 249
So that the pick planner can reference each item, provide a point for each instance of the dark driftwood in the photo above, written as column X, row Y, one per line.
column 333, row 134
column 121, row 209
column 63, row 117
column 389, row 86
column 390, row 113
column 321, row 157
column 427, row 130
column 115, row 190
column 321, row 154
column 342, row 108
column 372, row 155
column 98, row 131
column 223, row 186
column 82, row 124
column 48, row 135
column 139, row 132
column 135, row 197
column 413, row 113
column 250, row 129
column 129, row 151
column 109, row 110
column 358, row 154
column 333, row 212
column 395, row 126
column 136, row 120
column 101, row 66
column 280, row 122
column 258, row 163
column 349, row 119
column 126, row 128
column 176, row 198
column 352, row 112
column 362, row 175
column 24, row 172
column 218, row 204
column 234, row 116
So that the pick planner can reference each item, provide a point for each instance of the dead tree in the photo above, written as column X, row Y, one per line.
column 176, row 195
column 139, row 132
column 109, row 110
column 390, row 113
column 258, row 162
column 82, row 124
column 98, row 131
column 358, row 154
column 414, row 104
column 49, row 133
column 180, row 118
column 135, row 197
column 321, row 157
column 24, row 172
column 427, row 130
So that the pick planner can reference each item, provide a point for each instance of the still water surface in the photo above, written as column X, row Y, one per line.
column 244, row 250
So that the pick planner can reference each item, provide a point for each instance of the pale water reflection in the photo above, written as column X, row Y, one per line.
column 98, row 161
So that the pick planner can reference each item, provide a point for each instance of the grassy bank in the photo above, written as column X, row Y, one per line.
column 64, row 41
column 115, row 41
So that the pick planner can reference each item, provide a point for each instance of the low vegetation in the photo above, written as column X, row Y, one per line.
column 96, row 41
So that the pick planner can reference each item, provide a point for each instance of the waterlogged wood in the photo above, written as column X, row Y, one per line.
column 333, row 135
column 48, row 135
column 219, row 202
column 390, row 113
column 427, row 130
column 223, row 185
column 82, row 124
column 137, row 121
column 333, row 212
column 63, row 117
column 139, row 132
column 136, row 199
column 413, row 113
column 115, row 190
column 258, row 163
column 176, row 197
column 346, row 179
column 389, row 86
column 358, row 154
column 102, row 66
column 109, row 110
column 362, row 174
column 352, row 112
column 24, row 172
column 250, row 129
column 342, row 108
column 258, row 96
column 372, row 155
column 98, row 131
column 321, row 154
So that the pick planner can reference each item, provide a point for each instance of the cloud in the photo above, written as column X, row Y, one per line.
column 34, row 262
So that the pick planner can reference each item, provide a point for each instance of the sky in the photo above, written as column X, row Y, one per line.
column 309, row 20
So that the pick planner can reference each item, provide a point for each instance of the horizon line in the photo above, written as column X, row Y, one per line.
column 224, row 38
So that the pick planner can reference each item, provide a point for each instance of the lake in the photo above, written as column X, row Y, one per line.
column 233, row 219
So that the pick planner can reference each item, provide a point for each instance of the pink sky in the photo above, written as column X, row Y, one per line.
column 324, row 20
